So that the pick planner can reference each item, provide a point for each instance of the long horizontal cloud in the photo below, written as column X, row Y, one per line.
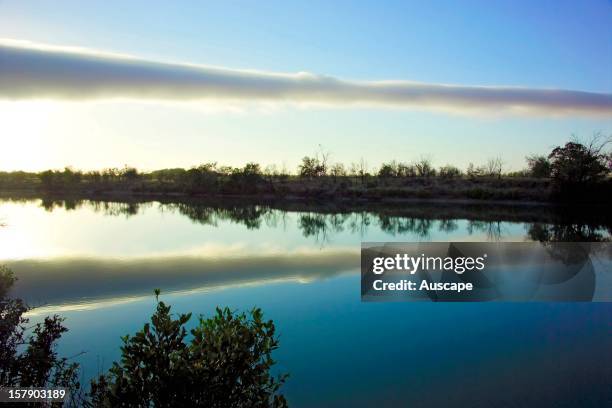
column 28, row 72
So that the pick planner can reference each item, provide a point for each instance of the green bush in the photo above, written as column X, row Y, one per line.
column 226, row 363
column 539, row 166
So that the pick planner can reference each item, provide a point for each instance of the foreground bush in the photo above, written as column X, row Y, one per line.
column 226, row 363
column 27, row 354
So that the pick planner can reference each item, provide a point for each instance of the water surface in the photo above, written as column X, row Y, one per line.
column 97, row 264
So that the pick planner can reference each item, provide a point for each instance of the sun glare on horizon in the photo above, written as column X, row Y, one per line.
column 24, row 127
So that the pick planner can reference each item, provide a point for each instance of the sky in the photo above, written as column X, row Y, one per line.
column 271, row 81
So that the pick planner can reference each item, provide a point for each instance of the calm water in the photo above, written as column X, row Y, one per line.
column 98, row 263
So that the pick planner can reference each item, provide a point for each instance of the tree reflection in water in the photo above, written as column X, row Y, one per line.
column 323, row 221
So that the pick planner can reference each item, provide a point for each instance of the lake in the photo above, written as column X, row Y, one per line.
column 97, row 264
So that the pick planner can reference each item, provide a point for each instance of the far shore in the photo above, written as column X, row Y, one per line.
column 515, row 190
column 254, row 186
column 545, row 221
column 264, row 198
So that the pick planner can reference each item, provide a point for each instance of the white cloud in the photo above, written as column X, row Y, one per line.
column 31, row 71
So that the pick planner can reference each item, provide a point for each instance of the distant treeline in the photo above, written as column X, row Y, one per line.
column 575, row 171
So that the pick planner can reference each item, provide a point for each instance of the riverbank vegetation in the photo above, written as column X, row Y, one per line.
column 224, row 361
column 577, row 172
column 28, row 356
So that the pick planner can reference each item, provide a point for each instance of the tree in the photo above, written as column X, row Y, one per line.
column 226, row 363
column 315, row 166
column 129, row 173
column 47, row 179
column 337, row 170
column 539, row 166
column 388, row 170
column 577, row 164
column 202, row 178
column 474, row 172
column 424, row 168
column 252, row 172
column 110, row 175
column 494, row 167
column 246, row 179
column 71, row 177
column 323, row 159
column 225, row 170
column 360, row 169
column 94, row 177
column 270, row 173
column 283, row 173
column 449, row 172
column 311, row 167
column 68, row 178
column 406, row 170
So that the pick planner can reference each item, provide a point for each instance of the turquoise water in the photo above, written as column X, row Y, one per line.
column 98, row 264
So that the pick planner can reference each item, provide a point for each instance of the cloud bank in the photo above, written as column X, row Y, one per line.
column 40, row 72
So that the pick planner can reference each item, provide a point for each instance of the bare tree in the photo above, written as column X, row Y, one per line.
column 424, row 167
column 337, row 170
column 323, row 159
column 597, row 145
column 283, row 173
column 270, row 172
column 362, row 169
column 494, row 167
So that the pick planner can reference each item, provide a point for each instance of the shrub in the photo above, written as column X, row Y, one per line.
column 31, row 360
column 129, row 173
column 337, row 170
column 312, row 167
column 519, row 174
column 245, row 180
column 474, row 172
column 387, row 170
column 539, row 166
column 424, row 168
column 494, row 167
column 449, row 172
column 226, row 363
column 201, row 178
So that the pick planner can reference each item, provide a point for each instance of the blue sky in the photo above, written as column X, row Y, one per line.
column 544, row 44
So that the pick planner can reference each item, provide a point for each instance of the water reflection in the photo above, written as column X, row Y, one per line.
column 70, row 282
column 231, row 243
column 322, row 221
column 97, row 262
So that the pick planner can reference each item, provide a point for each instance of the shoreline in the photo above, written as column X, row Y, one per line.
column 235, row 205
column 265, row 198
